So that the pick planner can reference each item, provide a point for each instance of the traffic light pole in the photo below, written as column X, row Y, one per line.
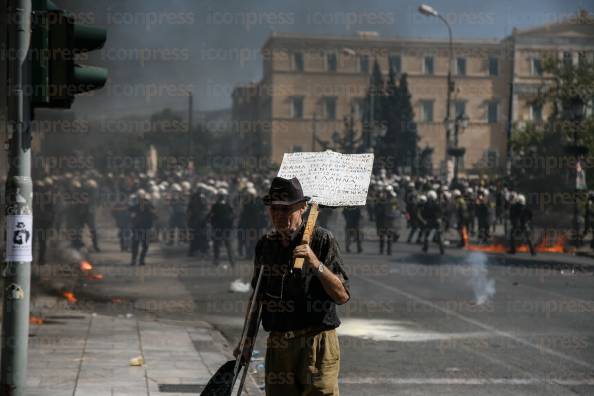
column 18, row 205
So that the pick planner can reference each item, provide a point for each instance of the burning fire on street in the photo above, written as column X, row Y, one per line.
column 87, row 268
column 70, row 297
column 35, row 320
column 558, row 245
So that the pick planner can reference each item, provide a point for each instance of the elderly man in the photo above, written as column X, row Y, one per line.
column 298, row 306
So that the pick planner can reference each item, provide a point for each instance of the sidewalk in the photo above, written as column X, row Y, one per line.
column 82, row 349
column 76, row 353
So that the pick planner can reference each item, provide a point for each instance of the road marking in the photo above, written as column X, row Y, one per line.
column 397, row 331
column 474, row 322
column 465, row 381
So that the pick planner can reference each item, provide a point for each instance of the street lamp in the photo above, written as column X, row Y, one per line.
column 191, row 157
column 430, row 11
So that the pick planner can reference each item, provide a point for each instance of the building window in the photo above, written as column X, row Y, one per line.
column 364, row 64
column 358, row 108
column 297, row 107
column 492, row 112
column 426, row 111
column 536, row 68
column 396, row 63
column 582, row 58
column 567, row 58
column 459, row 108
column 493, row 66
column 330, row 107
column 331, row 62
column 298, row 61
column 491, row 158
column 536, row 112
column 428, row 65
column 461, row 66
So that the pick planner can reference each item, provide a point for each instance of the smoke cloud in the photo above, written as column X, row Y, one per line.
column 482, row 286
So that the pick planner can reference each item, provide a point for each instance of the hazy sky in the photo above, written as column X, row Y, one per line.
column 157, row 50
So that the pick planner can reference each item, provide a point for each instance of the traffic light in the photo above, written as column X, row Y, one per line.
column 57, row 42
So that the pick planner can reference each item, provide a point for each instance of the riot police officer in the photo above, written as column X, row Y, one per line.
column 221, row 219
column 432, row 218
column 88, row 208
column 385, row 217
column 520, row 217
column 413, row 209
column 461, row 217
column 352, row 228
column 482, row 215
column 196, row 218
column 142, row 216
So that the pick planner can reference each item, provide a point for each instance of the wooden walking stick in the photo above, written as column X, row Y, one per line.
column 308, row 232
column 223, row 381
column 244, row 334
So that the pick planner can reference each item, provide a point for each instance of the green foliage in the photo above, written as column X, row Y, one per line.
column 347, row 142
column 399, row 144
column 545, row 153
column 373, row 114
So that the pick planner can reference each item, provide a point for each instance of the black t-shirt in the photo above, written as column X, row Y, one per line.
column 294, row 300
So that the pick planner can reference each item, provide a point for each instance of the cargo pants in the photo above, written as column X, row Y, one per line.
column 303, row 366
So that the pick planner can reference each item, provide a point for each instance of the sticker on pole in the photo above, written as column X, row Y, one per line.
column 19, row 238
column 330, row 178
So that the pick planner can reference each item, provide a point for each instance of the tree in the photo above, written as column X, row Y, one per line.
column 166, row 121
column 373, row 108
column 347, row 142
column 546, row 152
column 387, row 147
column 426, row 161
column 399, row 145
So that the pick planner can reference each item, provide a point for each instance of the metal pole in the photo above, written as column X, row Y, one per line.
column 450, row 88
column 18, row 207
column 510, row 111
column 456, row 158
column 371, row 128
column 190, row 131
column 314, row 132
column 576, row 228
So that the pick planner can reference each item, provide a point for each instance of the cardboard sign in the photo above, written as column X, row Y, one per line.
column 330, row 178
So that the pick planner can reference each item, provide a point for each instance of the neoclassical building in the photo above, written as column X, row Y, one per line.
column 310, row 83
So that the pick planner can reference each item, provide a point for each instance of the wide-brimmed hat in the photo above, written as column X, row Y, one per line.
column 284, row 192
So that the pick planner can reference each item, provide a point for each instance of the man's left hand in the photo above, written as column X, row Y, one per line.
column 308, row 254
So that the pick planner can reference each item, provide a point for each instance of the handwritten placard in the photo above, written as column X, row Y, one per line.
column 330, row 178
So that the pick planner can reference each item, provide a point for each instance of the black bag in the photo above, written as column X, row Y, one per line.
column 221, row 382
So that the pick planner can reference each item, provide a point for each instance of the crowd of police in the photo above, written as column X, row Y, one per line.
column 206, row 213
column 209, row 213
column 474, row 208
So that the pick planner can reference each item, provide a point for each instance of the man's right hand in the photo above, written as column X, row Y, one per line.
column 246, row 351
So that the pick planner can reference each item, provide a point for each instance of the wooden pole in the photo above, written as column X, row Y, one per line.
column 308, row 232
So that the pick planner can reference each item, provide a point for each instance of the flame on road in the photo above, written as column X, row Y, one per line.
column 544, row 246
column 495, row 248
column 85, row 266
column 69, row 297
column 35, row 320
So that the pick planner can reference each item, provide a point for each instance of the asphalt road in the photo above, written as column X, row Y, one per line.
column 417, row 324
